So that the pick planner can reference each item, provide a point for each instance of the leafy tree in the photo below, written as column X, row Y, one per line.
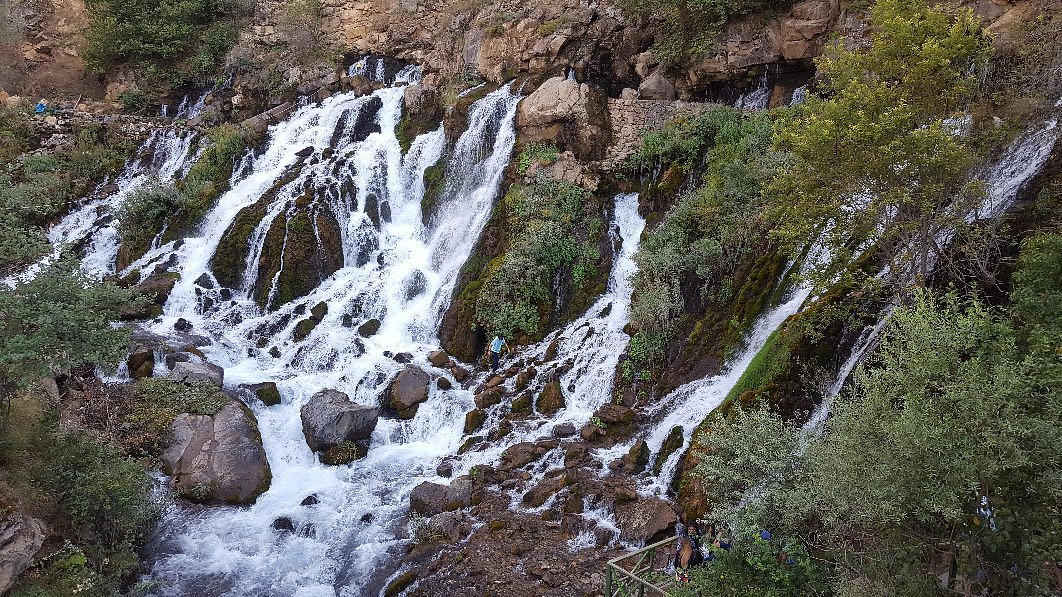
column 944, row 460
column 876, row 159
column 59, row 319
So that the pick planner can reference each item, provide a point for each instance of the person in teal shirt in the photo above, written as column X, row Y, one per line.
column 496, row 346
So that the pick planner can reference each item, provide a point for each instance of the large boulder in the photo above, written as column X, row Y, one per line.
column 218, row 458
column 409, row 388
column 429, row 499
column 329, row 418
column 20, row 538
column 141, row 362
column 189, row 372
column 641, row 520
column 656, row 87
column 571, row 114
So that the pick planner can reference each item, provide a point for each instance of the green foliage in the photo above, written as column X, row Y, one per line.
column 142, row 214
column 944, row 454
column 134, row 101
column 536, row 153
column 59, row 319
column 755, row 568
column 709, row 232
column 208, row 178
column 171, row 42
column 686, row 28
column 103, row 497
column 551, row 229
column 874, row 159
column 37, row 187
column 147, row 417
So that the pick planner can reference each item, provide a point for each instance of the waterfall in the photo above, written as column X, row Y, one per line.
column 689, row 404
column 353, row 164
column 90, row 228
column 756, row 98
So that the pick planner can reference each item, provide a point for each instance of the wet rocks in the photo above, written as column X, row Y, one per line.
column 673, row 442
column 522, row 454
column 157, row 288
column 488, row 397
column 564, row 430
column 429, row 499
column 369, row 328
column 521, row 405
column 283, row 525
column 182, row 325
column 553, row 483
column 443, row 383
column 614, row 414
column 438, row 358
column 310, row 500
column 20, row 538
column 445, row 469
column 330, row 419
column 218, row 458
column 551, row 399
column 204, row 372
column 141, row 362
column 460, row 373
column 408, row 389
column 266, row 392
column 635, row 460
column 474, row 420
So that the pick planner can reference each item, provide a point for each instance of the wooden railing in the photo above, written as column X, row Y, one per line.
column 642, row 573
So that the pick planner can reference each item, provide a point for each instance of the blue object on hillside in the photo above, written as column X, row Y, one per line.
column 765, row 535
column 41, row 107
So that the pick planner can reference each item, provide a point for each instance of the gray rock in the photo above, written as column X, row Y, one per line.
column 438, row 358
column 640, row 520
column 656, row 87
column 329, row 418
column 564, row 430
column 429, row 499
column 218, row 458
column 369, row 328
column 409, row 388
column 20, row 538
column 189, row 372
column 141, row 362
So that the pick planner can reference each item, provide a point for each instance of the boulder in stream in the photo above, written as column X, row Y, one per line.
column 218, row 458
column 409, row 388
column 329, row 419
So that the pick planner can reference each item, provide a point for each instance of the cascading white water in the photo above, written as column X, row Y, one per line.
column 688, row 405
column 593, row 343
column 92, row 225
column 405, row 282
column 756, row 98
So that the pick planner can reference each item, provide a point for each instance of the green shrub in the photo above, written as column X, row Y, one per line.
column 550, row 230
column 134, row 101
column 709, row 233
column 142, row 214
column 103, row 496
column 536, row 153
column 170, row 42
column 208, row 178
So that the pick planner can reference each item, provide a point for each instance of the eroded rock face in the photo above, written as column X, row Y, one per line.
column 329, row 418
column 20, row 538
column 218, row 458
column 572, row 114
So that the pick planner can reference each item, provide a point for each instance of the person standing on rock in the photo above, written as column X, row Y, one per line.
column 496, row 346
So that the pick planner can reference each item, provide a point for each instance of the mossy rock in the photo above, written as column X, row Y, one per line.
column 474, row 420
column 399, row 584
column 369, row 328
column 434, row 185
column 303, row 329
column 521, row 405
column 551, row 399
column 309, row 242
